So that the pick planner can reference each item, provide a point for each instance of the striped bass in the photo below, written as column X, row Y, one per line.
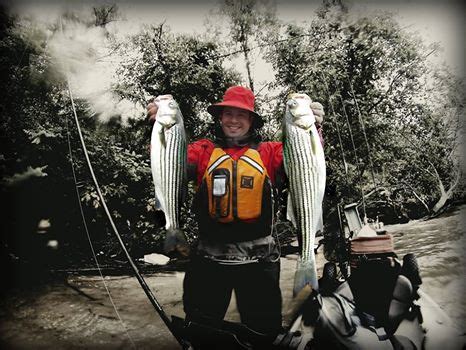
column 305, row 167
column 168, row 163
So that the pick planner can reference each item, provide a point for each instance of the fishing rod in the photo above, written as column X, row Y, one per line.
column 361, row 121
column 356, row 159
column 342, row 150
column 130, row 260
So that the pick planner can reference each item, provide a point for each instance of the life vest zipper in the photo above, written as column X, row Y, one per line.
column 235, row 194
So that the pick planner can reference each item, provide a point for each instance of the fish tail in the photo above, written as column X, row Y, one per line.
column 175, row 243
column 306, row 274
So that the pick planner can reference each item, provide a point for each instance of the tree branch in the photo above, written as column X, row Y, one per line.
column 401, row 71
column 417, row 196
column 455, row 183
column 437, row 176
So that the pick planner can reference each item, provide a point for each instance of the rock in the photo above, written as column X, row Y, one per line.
column 156, row 259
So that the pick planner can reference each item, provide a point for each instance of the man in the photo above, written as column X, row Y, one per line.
column 236, row 175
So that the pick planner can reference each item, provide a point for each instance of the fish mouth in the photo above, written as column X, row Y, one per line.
column 301, row 115
column 167, row 120
column 171, row 115
column 303, row 121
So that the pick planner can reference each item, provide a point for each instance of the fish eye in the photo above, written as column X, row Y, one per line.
column 292, row 103
column 172, row 104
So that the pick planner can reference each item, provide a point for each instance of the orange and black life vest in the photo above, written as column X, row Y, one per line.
column 235, row 188
column 236, row 196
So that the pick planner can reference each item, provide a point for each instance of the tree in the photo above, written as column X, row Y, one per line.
column 35, row 160
column 35, row 174
column 37, row 181
column 181, row 65
column 371, row 76
column 248, row 19
column 437, row 138
column 105, row 15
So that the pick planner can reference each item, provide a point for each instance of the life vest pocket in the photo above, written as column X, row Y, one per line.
column 220, row 200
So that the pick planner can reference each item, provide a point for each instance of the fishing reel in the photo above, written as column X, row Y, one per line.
column 336, row 244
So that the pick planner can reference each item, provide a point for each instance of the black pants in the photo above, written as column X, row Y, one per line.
column 208, row 287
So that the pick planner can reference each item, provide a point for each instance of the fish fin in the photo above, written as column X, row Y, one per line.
column 306, row 274
column 175, row 243
column 313, row 145
column 157, row 205
column 295, row 307
column 159, row 213
column 290, row 211
column 320, row 224
column 163, row 143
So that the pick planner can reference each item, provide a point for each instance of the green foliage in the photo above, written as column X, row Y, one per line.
column 180, row 65
column 37, row 117
column 371, row 77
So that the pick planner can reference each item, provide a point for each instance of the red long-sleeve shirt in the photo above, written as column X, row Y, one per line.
column 199, row 153
column 271, row 153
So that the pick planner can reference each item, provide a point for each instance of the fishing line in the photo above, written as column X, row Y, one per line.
column 332, row 107
column 355, row 153
column 81, row 208
column 140, row 279
column 351, row 137
column 77, row 191
column 87, row 231
column 273, row 229
column 361, row 121
column 349, row 130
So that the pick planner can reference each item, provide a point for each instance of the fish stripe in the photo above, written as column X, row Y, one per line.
column 168, row 164
column 178, row 178
column 305, row 167
column 175, row 168
column 166, row 185
column 303, row 182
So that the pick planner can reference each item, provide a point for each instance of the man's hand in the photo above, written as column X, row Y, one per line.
column 152, row 107
column 151, row 111
column 318, row 111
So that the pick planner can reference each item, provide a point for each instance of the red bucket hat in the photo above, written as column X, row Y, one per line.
column 239, row 97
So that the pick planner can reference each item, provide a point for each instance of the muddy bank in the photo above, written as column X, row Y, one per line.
column 78, row 313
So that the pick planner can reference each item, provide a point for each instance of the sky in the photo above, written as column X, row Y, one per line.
column 434, row 21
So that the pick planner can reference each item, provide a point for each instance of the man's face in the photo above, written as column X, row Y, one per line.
column 235, row 121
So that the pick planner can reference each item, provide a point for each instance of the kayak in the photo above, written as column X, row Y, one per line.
column 397, row 315
column 393, row 313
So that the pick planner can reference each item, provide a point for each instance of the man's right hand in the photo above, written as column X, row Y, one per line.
column 151, row 111
column 152, row 107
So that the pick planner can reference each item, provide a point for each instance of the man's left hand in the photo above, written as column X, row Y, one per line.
column 318, row 111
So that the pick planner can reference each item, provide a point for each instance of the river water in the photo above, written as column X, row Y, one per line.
column 439, row 245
